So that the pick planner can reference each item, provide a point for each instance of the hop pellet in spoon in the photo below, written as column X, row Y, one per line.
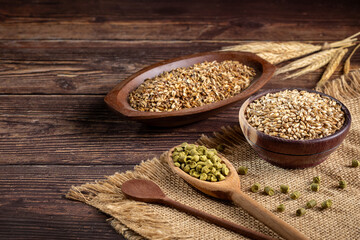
column 229, row 189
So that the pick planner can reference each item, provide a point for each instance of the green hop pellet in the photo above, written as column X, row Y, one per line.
column 213, row 179
column 242, row 170
column 269, row 191
column 300, row 212
column 314, row 187
column 177, row 164
column 203, row 176
column 186, row 168
column 280, row 208
column 342, row 184
column 284, row 188
column 220, row 147
column 255, row 187
column 326, row 204
column 295, row 195
column 205, row 169
column 192, row 164
column 220, row 177
column 317, row 179
column 355, row 163
column 225, row 170
column 310, row 204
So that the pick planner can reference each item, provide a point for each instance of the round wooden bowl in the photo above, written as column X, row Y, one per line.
column 292, row 153
column 117, row 98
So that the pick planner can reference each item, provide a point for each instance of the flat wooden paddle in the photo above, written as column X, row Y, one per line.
column 147, row 191
column 230, row 189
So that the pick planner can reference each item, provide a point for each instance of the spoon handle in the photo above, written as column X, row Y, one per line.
column 265, row 216
column 216, row 220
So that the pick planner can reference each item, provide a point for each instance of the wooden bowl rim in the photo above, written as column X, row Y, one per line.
column 338, row 133
column 113, row 97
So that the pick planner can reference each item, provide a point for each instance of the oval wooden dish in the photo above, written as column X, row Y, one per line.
column 117, row 98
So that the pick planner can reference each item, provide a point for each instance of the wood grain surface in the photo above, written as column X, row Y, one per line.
column 58, row 59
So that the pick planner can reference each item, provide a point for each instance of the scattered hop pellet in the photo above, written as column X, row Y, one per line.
column 242, row 170
column 342, row 184
column 310, row 204
column 269, row 191
column 280, row 208
column 255, row 188
column 317, row 179
column 220, row 147
column 314, row 187
column 326, row 204
column 284, row 188
column 355, row 163
column 300, row 212
column 295, row 195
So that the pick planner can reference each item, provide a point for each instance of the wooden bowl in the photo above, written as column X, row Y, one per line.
column 117, row 98
column 292, row 153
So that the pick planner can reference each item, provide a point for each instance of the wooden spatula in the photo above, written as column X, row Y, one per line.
column 148, row 191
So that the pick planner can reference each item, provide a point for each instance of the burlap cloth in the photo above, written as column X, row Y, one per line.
column 136, row 220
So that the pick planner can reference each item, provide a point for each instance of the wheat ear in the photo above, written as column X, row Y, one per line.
column 273, row 47
column 278, row 58
column 306, row 61
column 343, row 43
column 318, row 63
column 347, row 62
column 333, row 64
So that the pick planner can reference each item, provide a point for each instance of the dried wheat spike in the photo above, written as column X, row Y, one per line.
column 347, row 62
column 278, row 58
column 306, row 61
column 314, row 65
column 272, row 47
column 333, row 64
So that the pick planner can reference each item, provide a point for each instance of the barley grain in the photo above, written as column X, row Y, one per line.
column 313, row 116
column 191, row 87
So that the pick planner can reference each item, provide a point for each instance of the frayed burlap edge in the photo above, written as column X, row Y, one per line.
column 344, row 87
column 135, row 220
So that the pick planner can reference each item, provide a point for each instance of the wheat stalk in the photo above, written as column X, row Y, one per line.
column 317, row 63
column 306, row 61
column 347, row 62
column 273, row 47
column 333, row 64
column 278, row 58
column 347, row 42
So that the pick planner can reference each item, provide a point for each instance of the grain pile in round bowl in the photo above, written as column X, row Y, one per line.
column 294, row 128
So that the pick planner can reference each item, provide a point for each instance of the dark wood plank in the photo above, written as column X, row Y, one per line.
column 181, row 20
column 80, row 67
column 81, row 130
column 73, row 67
column 33, row 206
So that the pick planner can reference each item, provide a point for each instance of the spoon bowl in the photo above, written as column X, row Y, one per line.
column 221, row 190
column 229, row 189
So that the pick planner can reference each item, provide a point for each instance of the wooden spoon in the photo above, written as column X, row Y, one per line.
column 230, row 189
column 147, row 191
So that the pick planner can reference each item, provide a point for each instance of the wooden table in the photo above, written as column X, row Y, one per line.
column 58, row 59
